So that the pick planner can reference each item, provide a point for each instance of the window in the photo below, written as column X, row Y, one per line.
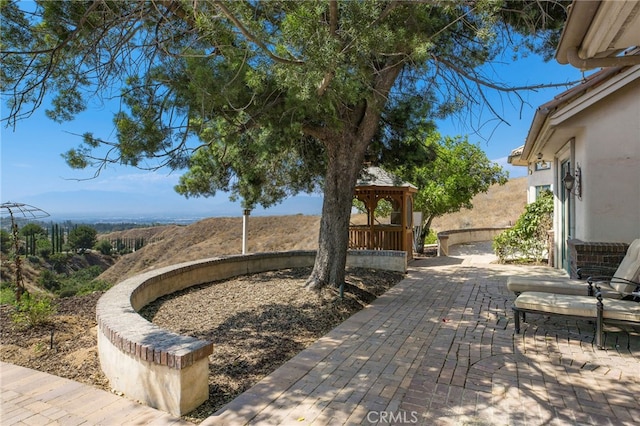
column 540, row 188
column 543, row 165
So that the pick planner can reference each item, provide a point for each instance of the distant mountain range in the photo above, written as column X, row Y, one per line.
column 111, row 206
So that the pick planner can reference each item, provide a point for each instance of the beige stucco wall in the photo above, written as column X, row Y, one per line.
column 446, row 239
column 607, row 148
column 136, row 355
column 168, row 389
column 538, row 178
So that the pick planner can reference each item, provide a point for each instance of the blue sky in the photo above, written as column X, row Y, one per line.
column 33, row 171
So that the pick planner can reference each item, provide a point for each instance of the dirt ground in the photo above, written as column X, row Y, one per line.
column 256, row 323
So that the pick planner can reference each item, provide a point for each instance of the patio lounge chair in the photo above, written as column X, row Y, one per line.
column 584, row 307
column 617, row 285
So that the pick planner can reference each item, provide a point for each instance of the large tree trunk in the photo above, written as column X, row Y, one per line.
column 426, row 226
column 345, row 154
column 344, row 164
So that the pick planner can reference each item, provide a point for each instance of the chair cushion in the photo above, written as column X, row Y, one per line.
column 582, row 306
column 558, row 286
column 623, row 310
column 562, row 304
column 628, row 269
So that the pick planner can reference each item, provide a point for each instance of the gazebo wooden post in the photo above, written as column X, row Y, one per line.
column 403, row 217
column 373, row 202
column 407, row 222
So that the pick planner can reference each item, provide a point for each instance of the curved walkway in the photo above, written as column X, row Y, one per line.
column 438, row 349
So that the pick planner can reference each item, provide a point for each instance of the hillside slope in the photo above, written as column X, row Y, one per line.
column 172, row 244
column 212, row 237
column 501, row 206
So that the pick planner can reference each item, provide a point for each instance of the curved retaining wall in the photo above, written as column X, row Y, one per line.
column 166, row 370
column 447, row 239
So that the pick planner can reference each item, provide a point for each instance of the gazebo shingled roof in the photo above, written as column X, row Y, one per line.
column 375, row 176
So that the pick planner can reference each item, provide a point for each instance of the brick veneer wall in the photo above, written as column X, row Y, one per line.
column 583, row 253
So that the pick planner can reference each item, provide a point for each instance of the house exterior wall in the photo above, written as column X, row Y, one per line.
column 538, row 179
column 607, row 149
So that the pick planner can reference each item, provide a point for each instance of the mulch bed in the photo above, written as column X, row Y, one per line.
column 256, row 323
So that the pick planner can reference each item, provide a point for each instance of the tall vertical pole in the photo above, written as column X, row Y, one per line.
column 245, row 218
column 20, row 288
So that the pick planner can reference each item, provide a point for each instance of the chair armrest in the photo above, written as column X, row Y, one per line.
column 602, row 278
column 618, row 279
column 594, row 280
column 599, row 270
column 598, row 279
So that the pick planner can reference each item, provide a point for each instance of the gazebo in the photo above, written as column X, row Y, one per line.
column 376, row 184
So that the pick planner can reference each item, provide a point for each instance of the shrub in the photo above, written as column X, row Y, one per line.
column 49, row 280
column 431, row 237
column 104, row 247
column 60, row 261
column 527, row 239
column 82, row 282
column 44, row 248
column 32, row 310
column 7, row 293
column 6, row 241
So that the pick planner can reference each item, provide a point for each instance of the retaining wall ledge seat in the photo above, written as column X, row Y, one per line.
column 168, row 371
column 447, row 239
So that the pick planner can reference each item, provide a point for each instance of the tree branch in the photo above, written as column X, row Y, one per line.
column 226, row 12
column 480, row 81
column 333, row 32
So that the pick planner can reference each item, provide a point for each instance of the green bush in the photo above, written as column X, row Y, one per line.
column 60, row 261
column 82, row 282
column 431, row 237
column 44, row 247
column 32, row 310
column 6, row 241
column 7, row 293
column 49, row 280
column 104, row 247
column 527, row 240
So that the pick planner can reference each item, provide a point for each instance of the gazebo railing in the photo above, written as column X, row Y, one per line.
column 381, row 237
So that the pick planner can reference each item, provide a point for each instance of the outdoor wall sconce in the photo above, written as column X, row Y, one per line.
column 574, row 184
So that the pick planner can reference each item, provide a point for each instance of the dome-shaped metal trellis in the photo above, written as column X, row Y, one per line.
column 17, row 212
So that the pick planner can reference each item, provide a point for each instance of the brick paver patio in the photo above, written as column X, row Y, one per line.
column 438, row 349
